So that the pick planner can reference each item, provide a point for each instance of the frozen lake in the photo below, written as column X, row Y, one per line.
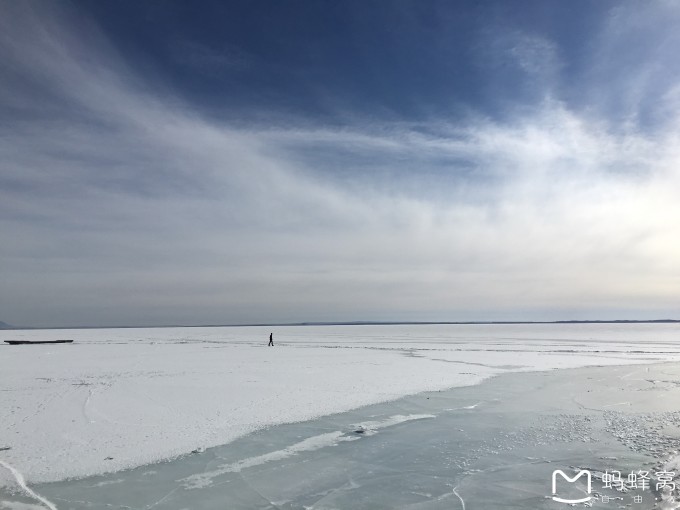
column 486, row 446
column 123, row 402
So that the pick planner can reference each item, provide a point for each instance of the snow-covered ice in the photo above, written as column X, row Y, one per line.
column 491, row 445
column 119, row 398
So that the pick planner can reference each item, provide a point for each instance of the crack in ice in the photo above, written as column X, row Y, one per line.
column 462, row 501
column 22, row 483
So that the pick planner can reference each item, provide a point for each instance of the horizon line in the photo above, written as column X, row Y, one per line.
column 9, row 327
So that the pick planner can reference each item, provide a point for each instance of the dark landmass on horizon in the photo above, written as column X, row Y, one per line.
column 5, row 326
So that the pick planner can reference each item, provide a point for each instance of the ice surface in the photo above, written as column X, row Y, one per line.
column 493, row 445
column 205, row 479
column 121, row 398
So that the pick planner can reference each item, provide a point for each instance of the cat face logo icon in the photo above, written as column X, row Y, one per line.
column 570, row 480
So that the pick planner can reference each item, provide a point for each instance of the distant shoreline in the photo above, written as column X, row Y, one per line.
column 354, row 323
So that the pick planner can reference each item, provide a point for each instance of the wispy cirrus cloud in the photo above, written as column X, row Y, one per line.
column 124, row 205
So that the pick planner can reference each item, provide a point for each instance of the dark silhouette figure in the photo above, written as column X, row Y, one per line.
column 271, row 340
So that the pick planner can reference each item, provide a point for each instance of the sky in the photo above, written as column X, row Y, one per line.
column 174, row 162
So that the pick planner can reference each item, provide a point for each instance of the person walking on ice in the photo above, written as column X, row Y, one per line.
column 271, row 340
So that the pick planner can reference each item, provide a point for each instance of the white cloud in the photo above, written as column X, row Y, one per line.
column 123, row 205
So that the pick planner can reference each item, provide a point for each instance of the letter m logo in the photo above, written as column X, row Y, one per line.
column 570, row 480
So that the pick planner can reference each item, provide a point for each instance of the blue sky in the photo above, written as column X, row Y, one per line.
column 237, row 162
